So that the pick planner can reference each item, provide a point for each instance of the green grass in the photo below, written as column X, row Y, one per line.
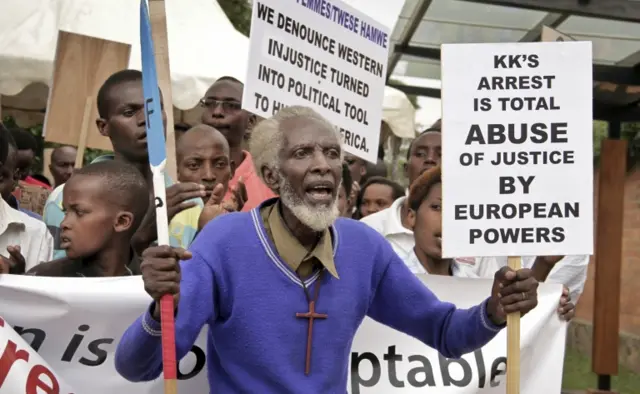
column 578, row 375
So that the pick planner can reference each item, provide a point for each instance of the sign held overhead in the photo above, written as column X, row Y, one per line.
column 81, row 66
column 327, row 56
column 518, row 149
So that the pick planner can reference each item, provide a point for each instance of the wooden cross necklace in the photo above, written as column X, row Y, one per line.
column 311, row 315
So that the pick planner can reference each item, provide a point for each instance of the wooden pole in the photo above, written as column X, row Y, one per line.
column 84, row 132
column 513, row 341
column 170, row 387
column 158, row 19
column 608, row 261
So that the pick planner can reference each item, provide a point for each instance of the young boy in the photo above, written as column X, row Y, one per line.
column 104, row 204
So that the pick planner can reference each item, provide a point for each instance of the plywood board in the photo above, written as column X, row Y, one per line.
column 82, row 64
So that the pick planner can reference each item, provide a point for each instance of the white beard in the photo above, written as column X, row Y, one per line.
column 317, row 218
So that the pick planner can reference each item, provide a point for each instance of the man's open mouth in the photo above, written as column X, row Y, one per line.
column 320, row 192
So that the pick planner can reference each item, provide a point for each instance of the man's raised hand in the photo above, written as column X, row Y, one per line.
column 179, row 196
column 239, row 197
column 213, row 207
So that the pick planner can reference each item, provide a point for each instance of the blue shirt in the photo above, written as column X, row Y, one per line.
column 238, row 285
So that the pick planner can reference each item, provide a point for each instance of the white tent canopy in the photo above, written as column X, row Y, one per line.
column 203, row 46
column 197, row 56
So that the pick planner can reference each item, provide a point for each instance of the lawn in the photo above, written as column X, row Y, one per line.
column 578, row 375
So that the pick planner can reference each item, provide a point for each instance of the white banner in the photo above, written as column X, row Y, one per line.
column 74, row 325
column 324, row 55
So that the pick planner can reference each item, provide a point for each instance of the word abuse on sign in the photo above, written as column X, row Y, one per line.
column 518, row 149
column 324, row 55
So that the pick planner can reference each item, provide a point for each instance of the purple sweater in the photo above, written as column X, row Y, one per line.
column 238, row 286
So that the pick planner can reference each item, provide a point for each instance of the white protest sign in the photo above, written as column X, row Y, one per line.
column 517, row 138
column 324, row 55
column 75, row 325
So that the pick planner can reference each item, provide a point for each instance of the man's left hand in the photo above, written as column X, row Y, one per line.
column 513, row 292
column 214, row 207
column 180, row 195
column 566, row 309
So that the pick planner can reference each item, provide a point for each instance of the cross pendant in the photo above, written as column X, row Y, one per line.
column 311, row 315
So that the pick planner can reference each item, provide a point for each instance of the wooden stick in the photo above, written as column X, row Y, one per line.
column 158, row 21
column 84, row 132
column 171, row 386
column 513, row 341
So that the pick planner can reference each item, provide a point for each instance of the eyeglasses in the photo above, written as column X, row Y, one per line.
column 227, row 106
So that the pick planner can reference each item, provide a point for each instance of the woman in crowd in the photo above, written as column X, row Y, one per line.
column 425, row 219
column 376, row 194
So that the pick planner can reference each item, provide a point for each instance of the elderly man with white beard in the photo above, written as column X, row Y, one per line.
column 284, row 288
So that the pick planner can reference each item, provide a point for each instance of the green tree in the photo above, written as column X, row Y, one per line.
column 239, row 14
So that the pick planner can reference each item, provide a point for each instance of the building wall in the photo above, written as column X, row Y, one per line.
column 630, row 285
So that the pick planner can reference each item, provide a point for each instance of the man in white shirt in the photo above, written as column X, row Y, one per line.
column 24, row 241
column 424, row 153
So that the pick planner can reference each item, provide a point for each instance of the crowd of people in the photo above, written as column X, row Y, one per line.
column 249, row 190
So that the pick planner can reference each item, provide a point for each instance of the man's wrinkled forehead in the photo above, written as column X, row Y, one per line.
column 305, row 130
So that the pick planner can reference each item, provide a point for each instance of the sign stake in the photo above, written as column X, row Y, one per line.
column 513, row 340
column 158, row 161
